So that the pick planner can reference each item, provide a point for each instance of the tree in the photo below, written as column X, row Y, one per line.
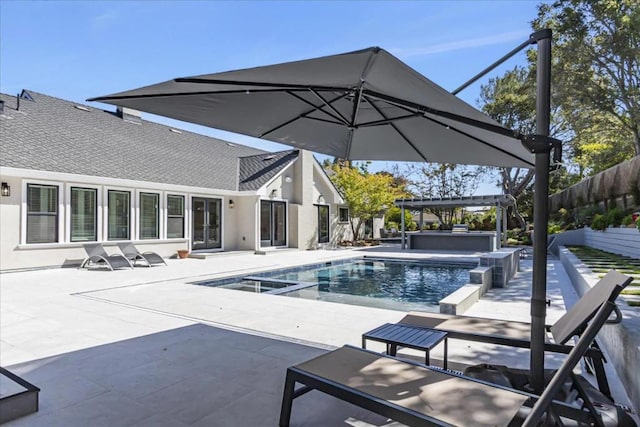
column 510, row 100
column 435, row 180
column 597, row 75
column 366, row 194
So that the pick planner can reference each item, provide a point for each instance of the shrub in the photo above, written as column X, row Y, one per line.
column 514, row 233
column 627, row 221
column 599, row 222
column 638, row 223
column 614, row 217
column 554, row 228
column 586, row 214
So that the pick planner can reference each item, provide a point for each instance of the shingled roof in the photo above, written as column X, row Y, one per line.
column 51, row 134
column 255, row 171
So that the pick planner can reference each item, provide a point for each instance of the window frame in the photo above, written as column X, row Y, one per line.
column 139, row 195
column 25, row 211
column 320, row 206
column 167, row 217
column 69, row 211
column 105, row 222
column 340, row 210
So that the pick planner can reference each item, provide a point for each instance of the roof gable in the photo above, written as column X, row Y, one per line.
column 255, row 171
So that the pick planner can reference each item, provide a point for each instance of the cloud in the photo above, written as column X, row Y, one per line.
column 461, row 44
column 103, row 21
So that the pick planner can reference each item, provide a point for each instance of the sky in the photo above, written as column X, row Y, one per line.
column 76, row 50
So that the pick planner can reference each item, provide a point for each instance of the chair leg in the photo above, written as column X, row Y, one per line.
column 287, row 400
column 601, row 376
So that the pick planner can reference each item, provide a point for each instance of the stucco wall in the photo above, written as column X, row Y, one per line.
column 15, row 253
column 245, row 227
column 623, row 241
column 302, row 182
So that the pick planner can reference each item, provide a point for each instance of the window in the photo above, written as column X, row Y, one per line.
column 42, row 213
column 343, row 214
column 175, row 216
column 149, row 216
column 118, row 205
column 84, row 214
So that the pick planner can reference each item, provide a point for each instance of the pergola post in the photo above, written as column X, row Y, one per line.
column 498, row 225
column 402, row 235
column 504, row 226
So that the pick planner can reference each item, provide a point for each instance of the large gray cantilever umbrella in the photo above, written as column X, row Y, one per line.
column 362, row 105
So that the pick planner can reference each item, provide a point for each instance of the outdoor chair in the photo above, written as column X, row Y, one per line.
column 96, row 255
column 134, row 255
column 517, row 334
column 420, row 395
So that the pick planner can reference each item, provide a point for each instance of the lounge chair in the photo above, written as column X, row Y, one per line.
column 96, row 255
column 517, row 334
column 419, row 395
column 134, row 255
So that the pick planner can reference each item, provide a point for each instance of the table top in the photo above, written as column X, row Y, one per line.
column 406, row 335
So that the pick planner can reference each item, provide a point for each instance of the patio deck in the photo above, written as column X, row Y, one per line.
column 145, row 348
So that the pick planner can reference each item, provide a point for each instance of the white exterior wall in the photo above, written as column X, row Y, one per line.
column 304, row 217
column 15, row 253
column 246, row 223
column 240, row 224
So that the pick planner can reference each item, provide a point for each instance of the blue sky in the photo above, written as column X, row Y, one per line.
column 80, row 49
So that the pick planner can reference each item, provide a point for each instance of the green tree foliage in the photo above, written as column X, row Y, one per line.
column 393, row 218
column 596, row 75
column 510, row 100
column 366, row 194
column 435, row 180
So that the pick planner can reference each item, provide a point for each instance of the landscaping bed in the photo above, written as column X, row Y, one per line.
column 600, row 262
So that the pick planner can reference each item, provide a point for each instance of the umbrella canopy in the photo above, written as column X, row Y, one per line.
column 362, row 105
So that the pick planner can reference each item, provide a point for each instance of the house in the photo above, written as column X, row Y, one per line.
column 73, row 174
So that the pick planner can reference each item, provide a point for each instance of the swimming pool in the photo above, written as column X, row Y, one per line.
column 373, row 282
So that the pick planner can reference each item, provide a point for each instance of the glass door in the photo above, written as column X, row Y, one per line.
column 206, row 223
column 323, row 224
column 273, row 223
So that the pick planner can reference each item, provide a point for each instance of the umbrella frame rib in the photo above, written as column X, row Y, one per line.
column 398, row 131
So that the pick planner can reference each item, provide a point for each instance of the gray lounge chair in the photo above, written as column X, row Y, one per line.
column 134, row 255
column 419, row 395
column 96, row 255
column 517, row 334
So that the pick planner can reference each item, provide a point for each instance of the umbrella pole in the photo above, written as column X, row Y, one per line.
column 542, row 149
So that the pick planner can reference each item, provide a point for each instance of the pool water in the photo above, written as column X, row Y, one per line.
column 384, row 283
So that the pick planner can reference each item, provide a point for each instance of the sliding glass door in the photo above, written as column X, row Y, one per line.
column 323, row 224
column 273, row 223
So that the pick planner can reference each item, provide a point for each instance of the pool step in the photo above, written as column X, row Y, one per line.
column 18, row 397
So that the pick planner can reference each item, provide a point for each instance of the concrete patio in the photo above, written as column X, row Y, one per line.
column 144, row 347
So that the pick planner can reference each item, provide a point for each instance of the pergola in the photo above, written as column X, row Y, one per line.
column 497, row 200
